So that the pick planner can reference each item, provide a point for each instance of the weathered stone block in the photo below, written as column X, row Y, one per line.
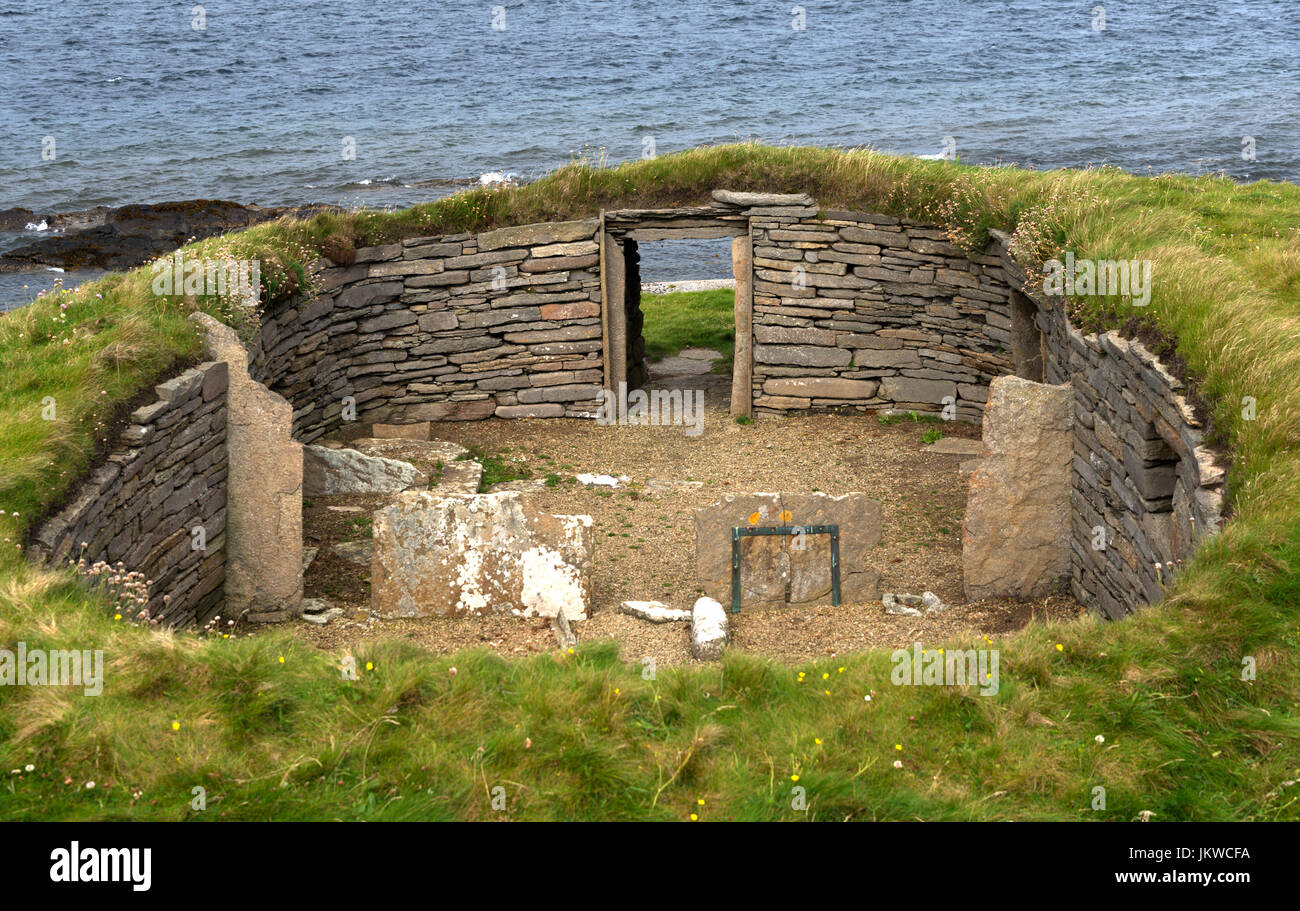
column 776, row 570
column 330, row 472
column 536, row 235
column 479, row 554
column 1016, row 534
column 821, row 387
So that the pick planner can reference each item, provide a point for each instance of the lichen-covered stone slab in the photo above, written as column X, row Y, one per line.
column 1016, row 534
column 479, row 554
column 332, row 472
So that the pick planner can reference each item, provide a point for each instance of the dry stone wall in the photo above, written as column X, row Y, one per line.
column 849, row 311
column 157, row 505
column 870, row 312
column 1144, row 488
column 458, row 327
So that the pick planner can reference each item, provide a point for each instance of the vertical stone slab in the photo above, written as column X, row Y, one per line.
column 1016, row 534
column 615, row 306
column 264, row 499
column 742, row 266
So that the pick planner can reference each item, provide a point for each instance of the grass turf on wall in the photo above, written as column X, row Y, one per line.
column 582, row 735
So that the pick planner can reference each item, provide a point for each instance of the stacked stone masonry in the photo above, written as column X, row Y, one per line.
column 448, row 328
column 157, row 504
column 1145, row 490
column 850, row 311
column 861, row 311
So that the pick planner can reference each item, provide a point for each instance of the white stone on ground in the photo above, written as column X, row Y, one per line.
column 319, row 611
column 600, row 480
column 654, row 611
column 902, row 605
column 708, row 629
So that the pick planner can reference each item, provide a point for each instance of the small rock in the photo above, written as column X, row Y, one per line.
column 600, row 480
column 933, row 604
column 564, row 634
column 319, row 611
column 308, row 555
column 654, row 611
column 709, row 631
column 358, row 552
column 898, row 605
column 344, row 508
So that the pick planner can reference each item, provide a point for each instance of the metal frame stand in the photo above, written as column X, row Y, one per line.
column 784, row 530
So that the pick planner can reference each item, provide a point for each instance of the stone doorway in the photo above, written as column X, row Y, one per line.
column 625, row 353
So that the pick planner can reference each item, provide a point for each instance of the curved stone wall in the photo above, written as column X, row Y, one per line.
column 1145, row 489
column 849, row 310
column 459, row 327
column 157, row 504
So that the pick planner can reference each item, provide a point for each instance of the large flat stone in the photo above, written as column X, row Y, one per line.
column 1016, row 534
column 536, row 235
column 821, row 387
column 480, row 554
column 331, row 472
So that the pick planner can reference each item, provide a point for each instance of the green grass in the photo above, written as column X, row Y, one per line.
column 583, row 736
column 933, row 435
column 497, row 466
column 690, row 319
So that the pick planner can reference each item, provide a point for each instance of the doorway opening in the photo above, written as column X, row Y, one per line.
column 671, row 328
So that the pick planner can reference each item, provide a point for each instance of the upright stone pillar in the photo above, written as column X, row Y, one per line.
column 742, row 364
column 1016, row 534
column 264, row 493
column 615, row 304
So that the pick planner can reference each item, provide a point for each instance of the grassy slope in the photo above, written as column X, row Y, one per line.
column 1185, row 737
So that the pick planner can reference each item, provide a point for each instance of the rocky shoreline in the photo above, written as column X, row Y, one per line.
column 129, row 236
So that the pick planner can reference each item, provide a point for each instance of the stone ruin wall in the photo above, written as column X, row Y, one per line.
column 884, row 313
column 861, row 311
column 165, row 477
column 1141, row 470
column 448, row 328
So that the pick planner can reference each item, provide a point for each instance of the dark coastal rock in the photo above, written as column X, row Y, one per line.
column 121, row 238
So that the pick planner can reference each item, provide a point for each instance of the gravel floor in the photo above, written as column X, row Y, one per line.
column 644, row 532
